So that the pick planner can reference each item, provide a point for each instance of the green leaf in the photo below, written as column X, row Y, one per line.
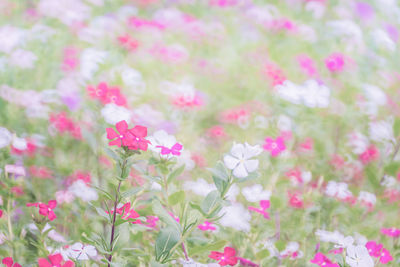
column 212, row 199
column 164, row 216
column 176, row 198
column 175, row 173
column 167, row 238
column 262, row 254
column 131, row 192
column 219, row 171
column 220, row 184
column 111, row 154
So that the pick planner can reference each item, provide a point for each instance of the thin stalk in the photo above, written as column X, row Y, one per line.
column 113, row 224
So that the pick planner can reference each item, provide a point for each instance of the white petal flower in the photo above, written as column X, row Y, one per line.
column 255, row 193
column 79, row 251
column 5, row 137
column 113, row 113
column 240, row 160
column 236, row 216
column 358, row 256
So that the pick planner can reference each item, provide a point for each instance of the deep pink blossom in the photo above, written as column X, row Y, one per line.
column 385, row 256
column 371, row 154
column 392, row 232
column 207, row 226
column 335, row 62
column 228, row 257
column 55, row 260
column 274, row 146
column 174, row 150
column 264, row 205
column 9, row 262
column 45, row 209
column 122, row 138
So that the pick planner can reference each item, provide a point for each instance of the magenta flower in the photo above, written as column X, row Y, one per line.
column 385, row 256
column 207, row 226
column 45, row 209
column 335, row 62
column 123, row 137
column 9, row 262
column 374, row 249
column 392, row 232
column 139, row 142
column 228, row 257
column 323, row 261
column 55, row 260
column 264, row 204
column 247, row 263
column 174, row 150
column 275, row 147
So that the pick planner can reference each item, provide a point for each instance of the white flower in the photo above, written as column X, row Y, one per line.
column 381, row 131
column 291, row 248
column 161, row 138
column 383, row 40
column 78, row 251
column 5, row 137
column 311, row 93
column 199, row 187
column 284, row 123
column 344, row 242
column 90, row 60
column 10, row 37
column 315, row 95
column 388, row 181
column 358, row 142
column 69, row 12
column 148, row 116
column 233, row 192
column 53, row 234
column 23, row 59
column 19, row 143
column 338, row 190
column 358, row 256
column 374, row 94
column 255, row 193
column 240, row 160
column 236, row 216
column 367, row 197
column 186, row 158
column 113, row 113
column 84, row 192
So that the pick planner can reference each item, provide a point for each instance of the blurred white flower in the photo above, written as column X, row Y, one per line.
column 236, row 216
column 381, row 131
column 69, row 12
column 383, row 40
column 148, row 116
column 23, row 59
column 232, row 193
column 186, row 158
column 284, row 123
column 5, row 137
column 291, row 248
column 79, row 251
column 90, row 60
column 83, row 191
column 199, row 187
column 160, row 139
column 311, row 93
column 10, row 38
column 19, row 143
column 367, row 198
column 239, row 160
column 357, row 142
column 358, row 256
column 255, row 193
column 113, row 113
column 388, row 181
column 339, row 190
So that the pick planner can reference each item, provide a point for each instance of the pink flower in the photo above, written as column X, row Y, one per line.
column 128, row 42
column 275, row 74
column 114, row 96
column 123, row 137
column 335, row 62
column 139, row 142
column 55, row 260
column 373, row 248
column 40, row 172
column 323, row 261
column 126, row 212
column 45, row 209
column 264, row 204
column 247, row 263
column 385, row 256
column 307, row 65
column 217, row 132
column 371, row 154
column 9, row 262
column 295, row 201
column 207, row 226
column 274, row 146
column 228, row 257
column 98, row 92
column 392, row 232
column 174, row 150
